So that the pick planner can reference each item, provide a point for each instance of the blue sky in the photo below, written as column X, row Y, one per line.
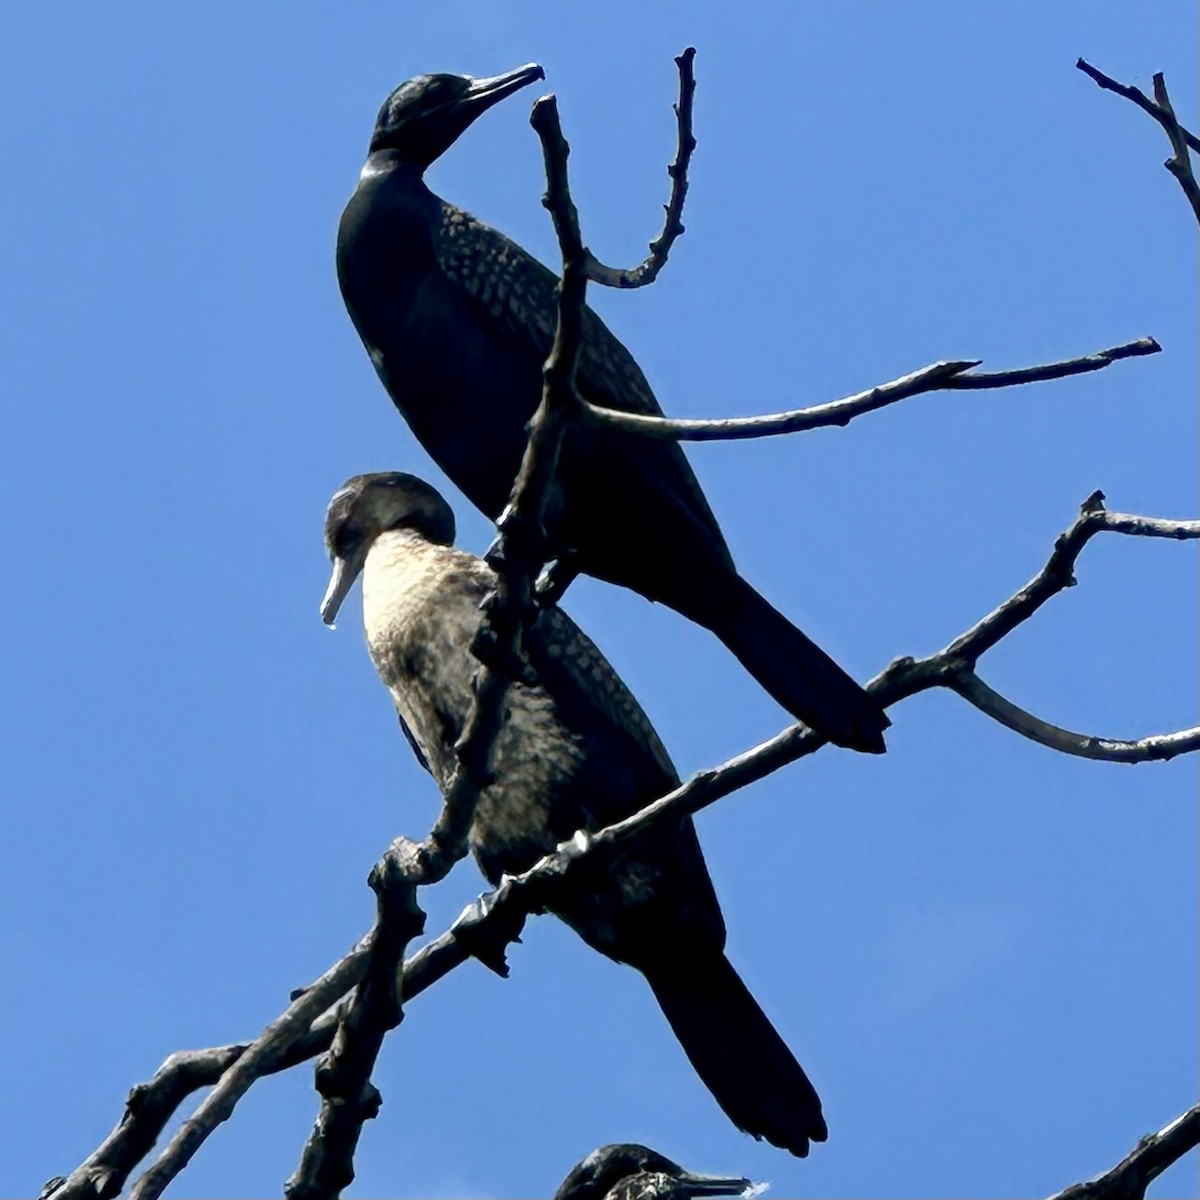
column 985, row 954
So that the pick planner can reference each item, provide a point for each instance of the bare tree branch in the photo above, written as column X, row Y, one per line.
column 1129, row 1179
column 939, row 376
column 348, row 1098
column 151, row 1105
column 322, row 1015
column 1157, row 748
column 521, row 547
column 1179, row 164
column 660, row 248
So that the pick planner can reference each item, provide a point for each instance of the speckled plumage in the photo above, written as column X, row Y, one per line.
column 575, row 752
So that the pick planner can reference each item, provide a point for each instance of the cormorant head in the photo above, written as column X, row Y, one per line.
column 368, row 505
column 422, row 118
column 629, row 1170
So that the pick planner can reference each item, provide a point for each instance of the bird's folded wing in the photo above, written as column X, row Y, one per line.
column 518, row 295
column 412, row 741
column 587, row 689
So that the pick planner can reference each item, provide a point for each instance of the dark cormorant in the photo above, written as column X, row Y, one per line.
column 458, row 321
column 633, row 1172
column 576, row 752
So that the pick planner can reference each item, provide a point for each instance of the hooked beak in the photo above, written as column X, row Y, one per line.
column 345, row 572
column 483, row 93
column 713, row 1185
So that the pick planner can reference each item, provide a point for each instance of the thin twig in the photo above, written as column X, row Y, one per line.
column 1057, row 370
column 660, row 248
column 939, row 376
column 1179, row 164
column 348, row 1098
column 1129, row 1179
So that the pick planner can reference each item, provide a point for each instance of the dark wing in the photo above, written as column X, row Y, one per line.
column 412, row 741
column 589, row 693
column 518, row 295
column 664, row 888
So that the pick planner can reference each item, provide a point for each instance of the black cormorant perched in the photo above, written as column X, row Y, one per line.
column 576, row 752
column 458, row 320
column 633, row 1172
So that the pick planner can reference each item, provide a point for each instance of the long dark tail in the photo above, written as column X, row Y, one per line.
column 794, row 669
column 737, row 1053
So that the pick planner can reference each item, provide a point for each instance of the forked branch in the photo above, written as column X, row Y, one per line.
column 1182, row 140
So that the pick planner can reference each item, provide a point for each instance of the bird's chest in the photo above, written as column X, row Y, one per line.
column 419, row 626
column 416, row 629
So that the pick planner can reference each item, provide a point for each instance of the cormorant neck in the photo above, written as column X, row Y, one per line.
column 392, row 162
column 406, row 539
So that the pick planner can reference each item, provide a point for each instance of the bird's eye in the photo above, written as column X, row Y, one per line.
column 345, row 537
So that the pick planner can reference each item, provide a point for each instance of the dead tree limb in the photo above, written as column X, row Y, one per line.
column 343, row 1076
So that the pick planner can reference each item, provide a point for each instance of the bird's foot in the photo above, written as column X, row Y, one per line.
column 485, row 929
column 556, row 577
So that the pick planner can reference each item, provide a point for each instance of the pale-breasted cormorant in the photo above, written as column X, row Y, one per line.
column 458, row 320
column 632, row 1172
column 576, row 752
